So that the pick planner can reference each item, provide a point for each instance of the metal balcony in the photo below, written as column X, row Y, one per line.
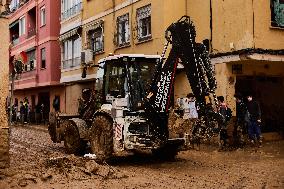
column 71, row 11
column 70, row 63
column 31, row 32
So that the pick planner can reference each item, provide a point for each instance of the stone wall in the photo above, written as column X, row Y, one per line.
column 4, row 78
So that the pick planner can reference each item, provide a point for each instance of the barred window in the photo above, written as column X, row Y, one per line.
column 277, row 13
column 123, row 31
column 96, row 39
column 144, row 23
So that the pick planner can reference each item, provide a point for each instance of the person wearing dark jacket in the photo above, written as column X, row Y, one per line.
column 22, row 112
column 240, row 125
column 240, row 109
column 254, row 119
column 223, row 128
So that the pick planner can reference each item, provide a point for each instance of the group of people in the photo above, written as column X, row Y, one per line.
column 25, row 110
column 187, row 107
column 19, row 114
column 248, row 119
column 23, row 113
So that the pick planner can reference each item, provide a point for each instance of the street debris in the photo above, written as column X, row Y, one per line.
column 179, row 126
column 90, row 156
column 80, row 168
column 36, row 162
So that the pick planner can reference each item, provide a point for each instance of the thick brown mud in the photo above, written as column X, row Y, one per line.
column 36, row 162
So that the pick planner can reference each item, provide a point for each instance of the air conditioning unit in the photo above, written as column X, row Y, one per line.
column 87, row 56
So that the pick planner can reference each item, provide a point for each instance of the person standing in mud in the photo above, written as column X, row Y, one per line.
column 26, row 105
column 223, row 128
column 254, row 120
column 38, row 113
column 42, row 111
column 56, row 103
column 22, row 112
column 190, row 111
column 240, row 126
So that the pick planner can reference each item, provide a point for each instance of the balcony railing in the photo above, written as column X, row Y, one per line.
column 71, row 11
column 70, row 63
column 31, row 32
column 14, row 6
column 27, row 74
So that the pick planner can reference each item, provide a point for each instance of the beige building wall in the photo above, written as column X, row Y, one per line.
column 199, row 11
column 243, row 24
column 232, row 23
column 265, row 36
column 4, row 78
column 225, row 83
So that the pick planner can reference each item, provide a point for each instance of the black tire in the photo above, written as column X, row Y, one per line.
column 72, row 141
column 101, row 137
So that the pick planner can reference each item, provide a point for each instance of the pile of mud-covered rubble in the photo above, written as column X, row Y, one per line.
column 61, row 169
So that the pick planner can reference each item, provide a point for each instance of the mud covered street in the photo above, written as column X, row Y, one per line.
column 36, row 162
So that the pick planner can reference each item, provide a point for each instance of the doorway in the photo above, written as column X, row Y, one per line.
column 269, row 92
column 44, row 98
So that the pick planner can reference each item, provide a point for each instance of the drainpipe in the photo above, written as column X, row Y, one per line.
column 65, row 97
column 211, row 27
column 36, row 39
column 114, row 28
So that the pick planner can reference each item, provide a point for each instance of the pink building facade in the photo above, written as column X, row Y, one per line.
column 34, row 28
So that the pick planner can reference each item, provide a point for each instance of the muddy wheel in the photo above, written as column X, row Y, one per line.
column 52, row 126
column 72, row 141
column 102, row 137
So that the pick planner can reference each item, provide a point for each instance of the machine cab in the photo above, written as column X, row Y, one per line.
column 126, row 79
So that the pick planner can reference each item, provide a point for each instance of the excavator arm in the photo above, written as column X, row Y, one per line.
column 199, row 71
